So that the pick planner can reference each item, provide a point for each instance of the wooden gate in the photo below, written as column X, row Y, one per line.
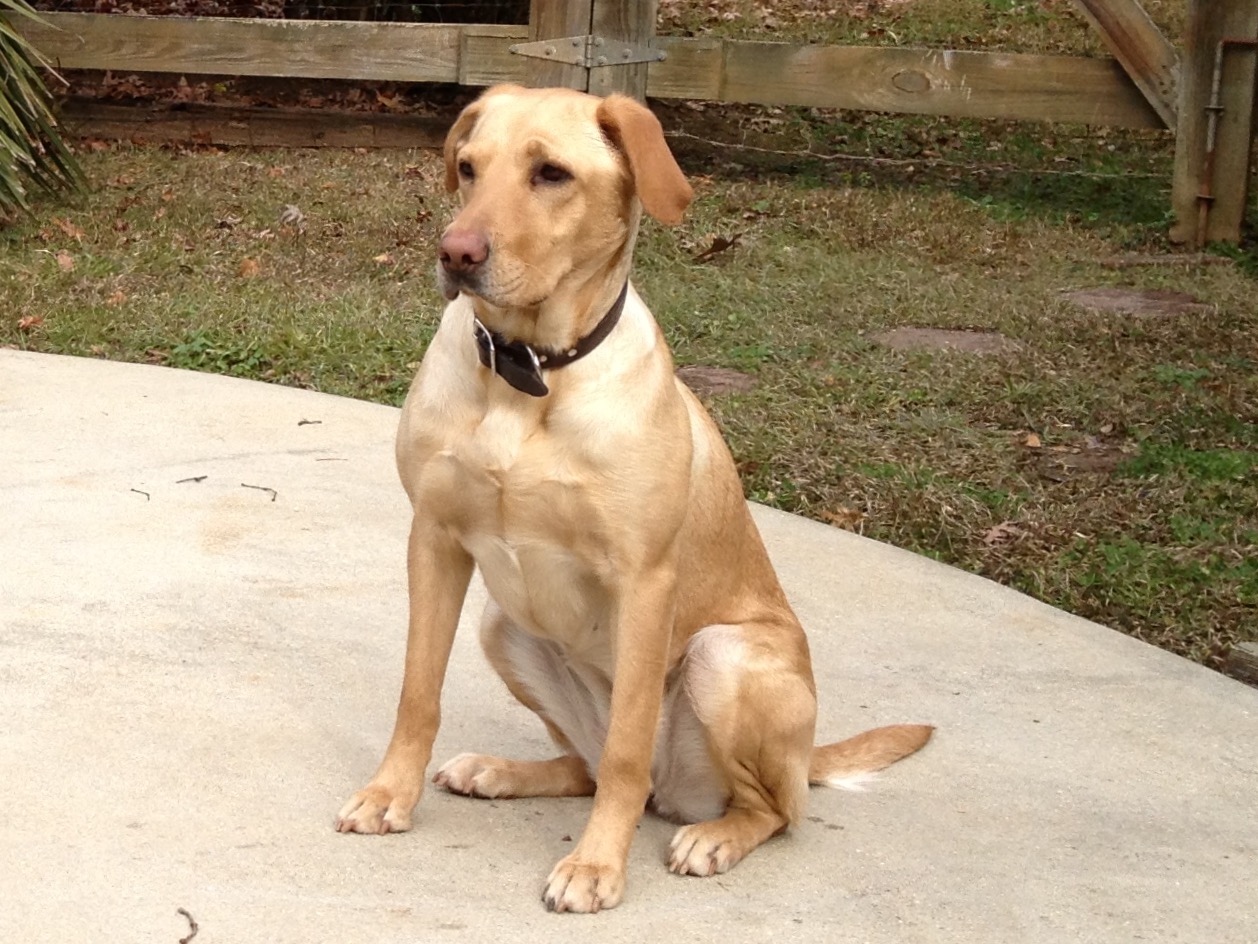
column 1206, row 97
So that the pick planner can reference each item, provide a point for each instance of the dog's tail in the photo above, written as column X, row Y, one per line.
column 851, row 763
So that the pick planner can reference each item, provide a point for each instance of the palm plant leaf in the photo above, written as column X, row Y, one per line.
column 32, row 151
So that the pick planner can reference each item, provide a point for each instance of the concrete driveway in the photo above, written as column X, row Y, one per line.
column 201, row 631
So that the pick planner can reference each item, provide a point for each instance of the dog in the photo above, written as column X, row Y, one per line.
column 546, row 441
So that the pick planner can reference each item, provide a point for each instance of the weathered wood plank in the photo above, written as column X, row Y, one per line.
column 937, row 82
column 323, row 49
column 254, row 126
column 554, row 19
column 932, row 82
column 628, row 21
column 1242, row 661
column 1209, row 197
column 692, row 69
column 485, row 56
column 1139, row 46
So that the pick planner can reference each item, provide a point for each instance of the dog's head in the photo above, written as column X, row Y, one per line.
column 552, row 183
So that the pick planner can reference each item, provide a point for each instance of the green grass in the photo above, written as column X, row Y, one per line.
column 1138, row 507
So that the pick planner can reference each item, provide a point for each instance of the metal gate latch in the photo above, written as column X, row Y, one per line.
column 589, row 52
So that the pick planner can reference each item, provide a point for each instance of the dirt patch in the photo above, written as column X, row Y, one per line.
column 1148, row 303
column 1131, row 260
column 708, row 381
column 1061, row 463
column 939, row 339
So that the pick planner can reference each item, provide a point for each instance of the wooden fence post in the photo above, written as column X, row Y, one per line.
column 1216, row 105
column 555, row 19
column 617, row 22
column 627, row 21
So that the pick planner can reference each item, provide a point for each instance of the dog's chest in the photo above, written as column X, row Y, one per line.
column 519, row 500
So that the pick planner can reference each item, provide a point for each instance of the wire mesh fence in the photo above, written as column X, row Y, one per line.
column 434, row 11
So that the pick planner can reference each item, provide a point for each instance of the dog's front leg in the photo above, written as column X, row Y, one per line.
column 438, row 571
column 592, row 876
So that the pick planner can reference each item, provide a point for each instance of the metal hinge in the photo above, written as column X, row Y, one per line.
column 590, row 52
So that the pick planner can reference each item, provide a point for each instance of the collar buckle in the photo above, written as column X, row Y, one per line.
column 520, row 364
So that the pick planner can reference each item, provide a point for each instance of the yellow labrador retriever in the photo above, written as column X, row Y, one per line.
column 546, row 441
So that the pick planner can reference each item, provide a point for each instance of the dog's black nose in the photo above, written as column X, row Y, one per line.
column 463, row 251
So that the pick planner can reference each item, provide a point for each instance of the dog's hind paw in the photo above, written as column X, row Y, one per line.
column 475, row 775
column 376, row 809
column 702, row 850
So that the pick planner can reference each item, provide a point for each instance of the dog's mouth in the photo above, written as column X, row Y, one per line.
column 477, row 285
column 452, row 284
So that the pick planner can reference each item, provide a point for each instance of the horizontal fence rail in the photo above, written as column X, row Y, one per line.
column 889, row 79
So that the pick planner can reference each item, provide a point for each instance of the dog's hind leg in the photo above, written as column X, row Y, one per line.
column 482, row 775
column 758, row 713
column 573, row 708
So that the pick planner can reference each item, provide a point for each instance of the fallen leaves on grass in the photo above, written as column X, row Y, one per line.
column 1002, row 533
column 719, row 245
column 65, row 261
column 69, row 229
column 849, row 519
column 249, row 268
column 385, row 258
column 29, row 323
column 291, row 215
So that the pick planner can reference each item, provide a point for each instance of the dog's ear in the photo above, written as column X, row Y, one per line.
column 634, row 131
column 457, row 134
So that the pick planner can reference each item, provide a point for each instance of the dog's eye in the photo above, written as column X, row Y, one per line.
column 465, row 170
column 551, row 174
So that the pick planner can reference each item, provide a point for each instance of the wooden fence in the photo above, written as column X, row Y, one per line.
column 609, row 45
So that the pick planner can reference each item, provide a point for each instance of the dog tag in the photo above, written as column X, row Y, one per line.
column 514, row 361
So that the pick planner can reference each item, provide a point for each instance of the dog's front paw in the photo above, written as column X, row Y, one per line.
column 378, row 809
column 585, row 887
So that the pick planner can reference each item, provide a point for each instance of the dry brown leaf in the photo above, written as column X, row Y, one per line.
column 849, row 519
column 30, row 322
column 1032, row 441
column 291, row 215
column 249, row 268
column 1002, row 533
column 69, row 229
column 275, row 172
column 390, row 102
column 384, row 258
column 117, row 298
column 65, row 260
column 719, row 244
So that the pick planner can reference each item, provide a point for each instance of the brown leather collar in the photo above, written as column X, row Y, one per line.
column 521, row 364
